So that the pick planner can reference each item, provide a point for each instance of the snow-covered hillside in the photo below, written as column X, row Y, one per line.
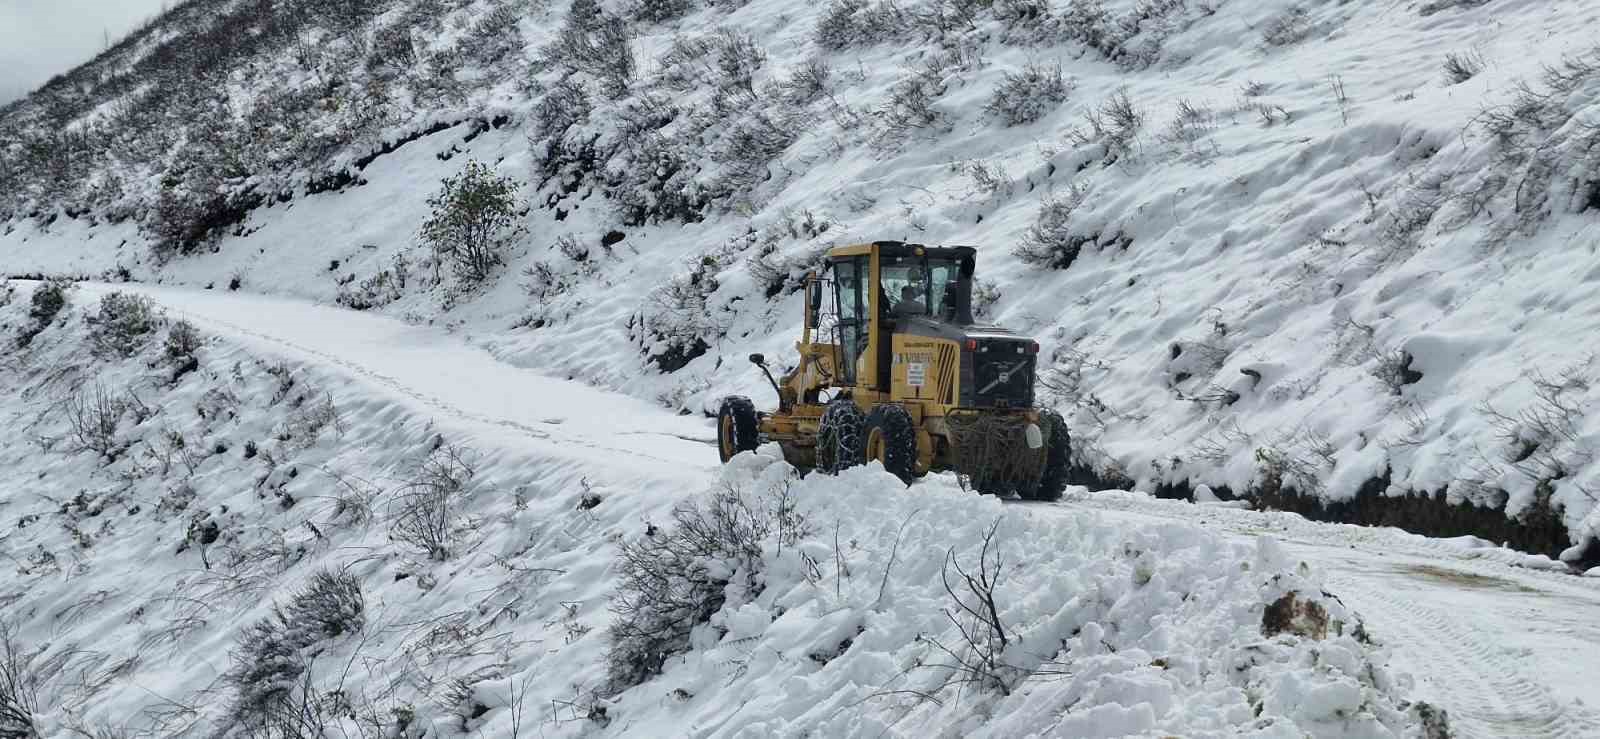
column 1341, row 250
column 235, row 517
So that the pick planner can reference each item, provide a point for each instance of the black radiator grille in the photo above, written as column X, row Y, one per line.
column 1001, row 375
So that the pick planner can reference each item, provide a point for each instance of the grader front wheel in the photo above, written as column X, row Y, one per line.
column 890, row 436
column 738, row 428
column 839, row 436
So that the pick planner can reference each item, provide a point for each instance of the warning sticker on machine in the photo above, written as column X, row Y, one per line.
column 916, row 374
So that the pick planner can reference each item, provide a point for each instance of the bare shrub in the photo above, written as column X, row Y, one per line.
column 1123, row 117
column 1114, row 125
column 1190, row 123
column 564, row 105
column 19, row 688
column 597, row 44
column 1050, row 241
column 979, row 658
column 475, row 216
column 312, row 413
column 910, row 103
column 675, row 580
column 847, row 23
column 1287, row 28
column 423, row 512
column 94, row 415
column 47, row 302
column 807, row 82
column 330, row 606
column 1027, row 96
column 990, row 179
column 725, row 59
column 182, row 342
column 1279, row 470
column 1394, row 370
column 677, row 322
column 1544, row 440
column 1462, row 66
column 659, row 11
column 121, row 325
column 269, row 672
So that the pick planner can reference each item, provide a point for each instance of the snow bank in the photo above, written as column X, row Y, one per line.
column 232, row 488
column 1110, row 630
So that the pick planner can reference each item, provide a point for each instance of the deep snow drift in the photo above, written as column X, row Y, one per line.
column 212, row 496
column 1288, row 244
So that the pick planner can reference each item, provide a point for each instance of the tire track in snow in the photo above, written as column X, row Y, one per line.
column 1483, row 688
column 430, row 401
column 1411, row 590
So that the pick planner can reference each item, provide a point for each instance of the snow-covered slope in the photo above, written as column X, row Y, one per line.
column 1340, row 248
column 202, row 546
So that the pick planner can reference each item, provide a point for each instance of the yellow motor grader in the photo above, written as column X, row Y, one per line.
column 892, row 367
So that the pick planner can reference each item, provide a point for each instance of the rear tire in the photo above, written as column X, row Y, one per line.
column 839, row 436
column 1057, row 459
column 890, row 436
column 738, row 427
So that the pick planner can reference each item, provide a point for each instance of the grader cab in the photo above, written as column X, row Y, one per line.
column 893, row 368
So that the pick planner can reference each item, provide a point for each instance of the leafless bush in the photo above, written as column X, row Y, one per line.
column 1462, row 66
column 564, row 105
column 94, row 415
column 1050, row 241
column 19, row 688
column 597, row 44
column 1284, row 469
column 270, row 675
column 182, row 342
column 1289, row 27
column 1114, row 125
column 309, row 417
column 572, row 249
column 979, row 658
column 910, row 107
column 807, row 82
column 330, row 606
column 847, row 23
column 990, row 179
column 122, row 324
column 676, row 579
column 1544, row 441
column 659, row 11
column 47, row 302
column 1393, row 369
column 423, row 512
column 1191, row 123
column 725, row 59
column 1026, row 96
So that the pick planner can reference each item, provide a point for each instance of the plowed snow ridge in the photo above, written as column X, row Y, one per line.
column 1502, row 641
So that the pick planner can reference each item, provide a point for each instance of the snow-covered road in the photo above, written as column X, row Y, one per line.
column 439, row 374
column 1508, row 648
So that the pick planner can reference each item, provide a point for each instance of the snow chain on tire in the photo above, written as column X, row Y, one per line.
column 839, row 436
column 1058, row 457
column 738, row 427
column 897, row 434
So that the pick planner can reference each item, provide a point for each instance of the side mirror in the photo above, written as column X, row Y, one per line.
column 813, row 303
column 758, row 360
